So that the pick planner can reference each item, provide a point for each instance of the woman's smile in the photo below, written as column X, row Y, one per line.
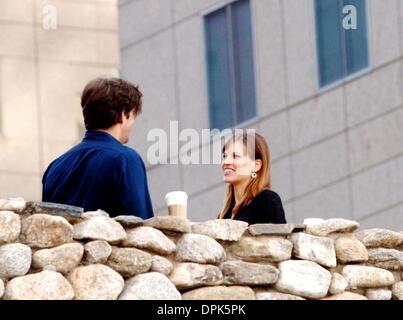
column 228, row 171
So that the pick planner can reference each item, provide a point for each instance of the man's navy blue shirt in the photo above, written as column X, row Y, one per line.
column 99, row 173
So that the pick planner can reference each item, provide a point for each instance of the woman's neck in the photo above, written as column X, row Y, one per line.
column 239, row 191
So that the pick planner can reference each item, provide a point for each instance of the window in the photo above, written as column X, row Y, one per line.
column 341, row 52
column 230, row 66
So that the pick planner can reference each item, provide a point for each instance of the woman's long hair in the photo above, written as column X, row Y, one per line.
column 256, row 185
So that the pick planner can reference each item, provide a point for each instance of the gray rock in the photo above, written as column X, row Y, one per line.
column 190, row 275
column 99, row 228
column 1, row 288
column 96, row 282
column 161, row 265
column 92, row 214
column 129, row 261
column 49, row 267
column 360, row 291
column 221, row 229
column 150, row 286
column 346, row 296
column 349, row 249
column 12, row 204
column 367, row 277
column 313, row 221
column 45, row 231
column 45, row 285
column 248, row 273
column 15, row 260
column 97, row 251
column 220, row 293
column 10, row 226
column 274, row 229
column 391, row 259
column 376, row 238
column 303, row 278
column 326, row 227
column 64, row 258
column 397, row 290
column 150, row 239
column 55, row 209
column 378, row 294
column 199, row 248
column 273, row 295
column 262, row 248
column 313, row 248
column 170, row 223
column 396, row 275
column 338, row 284
column 129, row 221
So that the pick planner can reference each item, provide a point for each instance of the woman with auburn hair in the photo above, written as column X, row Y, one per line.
column 246, row 167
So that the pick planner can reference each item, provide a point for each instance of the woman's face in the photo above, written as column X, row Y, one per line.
column 236, row 165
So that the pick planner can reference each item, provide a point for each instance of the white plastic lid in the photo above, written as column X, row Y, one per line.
column 176, row 197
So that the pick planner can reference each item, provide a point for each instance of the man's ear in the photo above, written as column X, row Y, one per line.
column 258, row 165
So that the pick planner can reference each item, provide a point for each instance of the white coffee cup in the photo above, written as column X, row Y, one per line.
column 177, row 203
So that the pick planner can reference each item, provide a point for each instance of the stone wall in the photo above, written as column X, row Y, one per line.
column 50, row 251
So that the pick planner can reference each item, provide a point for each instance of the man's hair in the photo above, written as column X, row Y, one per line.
column 104, row 99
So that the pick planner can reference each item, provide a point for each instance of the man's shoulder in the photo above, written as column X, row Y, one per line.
column 128, row 153
column 127, row 158
column 108, row 150
column 109, row 155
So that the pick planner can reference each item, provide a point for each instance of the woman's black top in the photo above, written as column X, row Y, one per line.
column 266, row 207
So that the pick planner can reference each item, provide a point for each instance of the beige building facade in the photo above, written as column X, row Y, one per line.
column 336, row 151
column 48, row 51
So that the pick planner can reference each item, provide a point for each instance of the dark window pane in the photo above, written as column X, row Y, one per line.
column 218, row 72
column 243, row 61
column 356, row 39
column 329, row 40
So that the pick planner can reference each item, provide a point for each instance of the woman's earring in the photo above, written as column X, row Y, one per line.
column 253, row 175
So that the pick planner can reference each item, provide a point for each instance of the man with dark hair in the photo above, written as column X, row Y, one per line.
column 100, row 172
